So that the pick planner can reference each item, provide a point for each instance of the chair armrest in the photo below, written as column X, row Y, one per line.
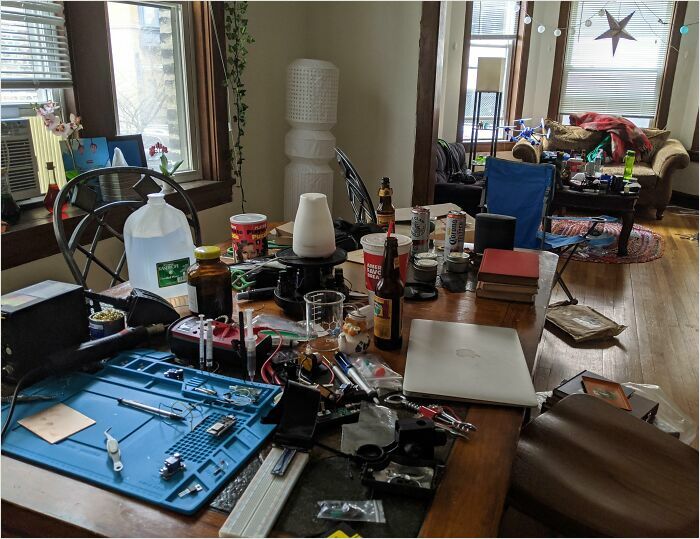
column 526, row 152
column 670, row 156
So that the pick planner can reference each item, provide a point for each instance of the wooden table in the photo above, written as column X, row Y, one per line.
column 622, row 205
column 469, row 500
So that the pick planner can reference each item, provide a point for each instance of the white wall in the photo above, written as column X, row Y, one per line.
column 280, row 33
column 684, row 101
column 375, row 47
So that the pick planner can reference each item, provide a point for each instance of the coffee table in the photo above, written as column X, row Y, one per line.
column 607, row 203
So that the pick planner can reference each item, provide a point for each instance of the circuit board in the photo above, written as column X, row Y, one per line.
column 211, row 456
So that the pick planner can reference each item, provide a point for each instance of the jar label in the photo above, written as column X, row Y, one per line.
column 192, row 298
column 172, row 272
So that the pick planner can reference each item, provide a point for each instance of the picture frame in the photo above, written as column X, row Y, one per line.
column 610, row 392
column 131, row 147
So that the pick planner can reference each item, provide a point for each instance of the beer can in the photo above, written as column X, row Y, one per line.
column 454, row 232
column 420, row 230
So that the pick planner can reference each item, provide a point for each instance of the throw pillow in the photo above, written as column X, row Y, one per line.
column 658, row 138
column 569, row 137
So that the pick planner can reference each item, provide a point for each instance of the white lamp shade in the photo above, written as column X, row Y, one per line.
column 489, row 74
column 313, row 236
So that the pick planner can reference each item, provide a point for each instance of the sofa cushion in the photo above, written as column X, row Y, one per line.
column 658, row 138
column 569, row 137
column 642, row 171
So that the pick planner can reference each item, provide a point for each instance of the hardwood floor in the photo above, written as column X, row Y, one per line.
column 657, row 301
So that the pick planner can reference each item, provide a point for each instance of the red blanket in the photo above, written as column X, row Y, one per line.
column 624, row 135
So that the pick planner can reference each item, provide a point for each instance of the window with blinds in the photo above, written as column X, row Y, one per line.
column 34, row 49
column 493, row 34
column 627, row 84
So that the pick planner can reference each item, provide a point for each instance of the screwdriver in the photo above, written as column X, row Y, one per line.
column 354, row 374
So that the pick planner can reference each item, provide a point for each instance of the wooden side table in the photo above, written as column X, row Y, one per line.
column 616, row 205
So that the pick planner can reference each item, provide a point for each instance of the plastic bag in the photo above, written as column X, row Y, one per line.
column 358, row 511
column 376, row 372
column 376, row 425
column 287, row 328
column 669, row 418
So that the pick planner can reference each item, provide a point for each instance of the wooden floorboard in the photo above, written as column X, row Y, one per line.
column 657, row 301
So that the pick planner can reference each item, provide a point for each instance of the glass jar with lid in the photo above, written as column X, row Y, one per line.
column 209, row 284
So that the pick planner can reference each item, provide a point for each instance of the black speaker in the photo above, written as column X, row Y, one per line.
column 493, row 231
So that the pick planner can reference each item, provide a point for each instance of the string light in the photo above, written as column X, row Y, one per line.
column 684, row 29
column 588, row 23
column 557, row 32
column 527, row 19
column 541, row 29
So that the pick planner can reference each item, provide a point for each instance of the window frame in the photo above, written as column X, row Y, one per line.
column 184, row 55
column 93, row 94
column 517, row 70
column 667, row 75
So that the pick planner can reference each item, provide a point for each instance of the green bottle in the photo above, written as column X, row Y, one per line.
column 629, row 165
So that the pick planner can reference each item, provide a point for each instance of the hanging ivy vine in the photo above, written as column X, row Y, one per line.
column 237, row 39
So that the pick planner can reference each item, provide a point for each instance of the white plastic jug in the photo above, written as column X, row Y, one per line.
column 159, row 248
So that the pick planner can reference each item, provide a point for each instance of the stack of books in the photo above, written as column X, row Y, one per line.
column 642, row 408
column 509, row 275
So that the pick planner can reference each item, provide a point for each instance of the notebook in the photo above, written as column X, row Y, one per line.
column 510, row 267
column 467, row 362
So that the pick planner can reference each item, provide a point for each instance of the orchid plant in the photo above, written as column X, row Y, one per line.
column 161, row 149
column 67, row 131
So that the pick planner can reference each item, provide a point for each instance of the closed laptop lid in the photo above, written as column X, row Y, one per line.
column 467, row 362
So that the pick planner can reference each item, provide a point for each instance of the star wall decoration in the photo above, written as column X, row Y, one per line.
column 617, row 30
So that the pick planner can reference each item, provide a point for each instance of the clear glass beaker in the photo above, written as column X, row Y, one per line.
column 324, row 319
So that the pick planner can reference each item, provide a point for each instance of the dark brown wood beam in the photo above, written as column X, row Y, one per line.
column 674, row 43
column 87, row 25
column 559, row 57
column 430, row 65
column 519, row 68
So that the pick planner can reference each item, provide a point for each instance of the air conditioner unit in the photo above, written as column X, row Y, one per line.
column 18, row 155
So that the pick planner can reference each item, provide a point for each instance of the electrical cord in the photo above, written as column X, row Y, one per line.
column 13, row 401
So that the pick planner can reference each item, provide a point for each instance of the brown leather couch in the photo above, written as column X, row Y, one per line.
column 654, row 172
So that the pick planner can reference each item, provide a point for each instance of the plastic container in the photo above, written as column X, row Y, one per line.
column 373, row 248
column 159, row 248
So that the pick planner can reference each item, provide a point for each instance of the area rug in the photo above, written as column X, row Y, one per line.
column 644, row 244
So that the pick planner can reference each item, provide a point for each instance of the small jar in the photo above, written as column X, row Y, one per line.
column 458, row 263
column 209, row 284
column 425, row 270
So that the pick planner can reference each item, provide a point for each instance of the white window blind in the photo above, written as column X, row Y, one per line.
column 34, row 49
column 627, row 84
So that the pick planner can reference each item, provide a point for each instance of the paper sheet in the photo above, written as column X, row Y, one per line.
column 56, row 423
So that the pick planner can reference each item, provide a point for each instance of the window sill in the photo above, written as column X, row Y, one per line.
column 33, row 237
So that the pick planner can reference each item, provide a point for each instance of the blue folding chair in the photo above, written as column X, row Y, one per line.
column 525, row 191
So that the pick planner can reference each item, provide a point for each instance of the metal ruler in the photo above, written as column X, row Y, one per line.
column 263, row 499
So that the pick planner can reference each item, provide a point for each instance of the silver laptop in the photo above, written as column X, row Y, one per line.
column 467, row 362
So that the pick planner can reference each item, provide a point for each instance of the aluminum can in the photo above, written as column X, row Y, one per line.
column 420, row 230
column 454, row 232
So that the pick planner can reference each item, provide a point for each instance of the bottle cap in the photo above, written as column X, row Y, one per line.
column 207, row 252
column 156, row 198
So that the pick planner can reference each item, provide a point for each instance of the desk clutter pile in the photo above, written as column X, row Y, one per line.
column 178, row 423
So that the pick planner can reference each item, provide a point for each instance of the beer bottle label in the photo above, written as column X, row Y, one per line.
column 382, row 317
column 383, row 219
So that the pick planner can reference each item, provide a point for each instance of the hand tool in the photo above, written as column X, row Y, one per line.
column 150, row 409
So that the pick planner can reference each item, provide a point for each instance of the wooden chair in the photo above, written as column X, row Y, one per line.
column 105, row 219
column 589, row 469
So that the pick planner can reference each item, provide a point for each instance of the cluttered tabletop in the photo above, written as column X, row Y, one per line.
column 359, row 383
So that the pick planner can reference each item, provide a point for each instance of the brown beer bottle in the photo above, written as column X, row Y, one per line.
column 388, row 300
column 209, row 284
column 386, row 213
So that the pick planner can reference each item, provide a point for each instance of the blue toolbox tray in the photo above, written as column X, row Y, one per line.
column 146, row 439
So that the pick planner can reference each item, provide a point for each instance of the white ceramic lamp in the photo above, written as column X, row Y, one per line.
column 314, row 236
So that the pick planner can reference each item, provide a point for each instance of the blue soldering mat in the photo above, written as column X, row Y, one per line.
column 146, row 439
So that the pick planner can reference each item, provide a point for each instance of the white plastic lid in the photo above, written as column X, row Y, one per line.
column 248, row 218
column 378, row 239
